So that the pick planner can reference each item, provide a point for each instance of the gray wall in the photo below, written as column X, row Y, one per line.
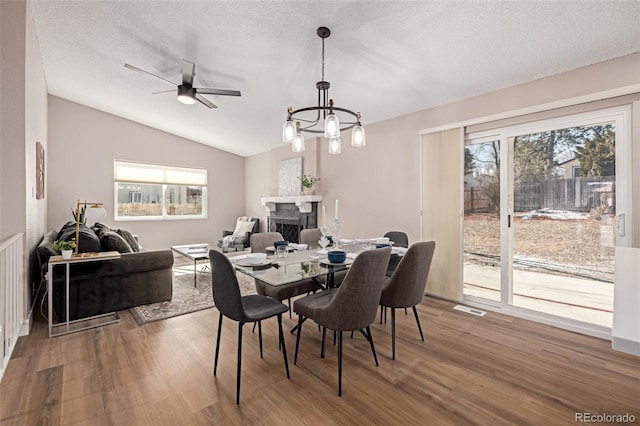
column 83, row 142
column 12, row 120
column 23, row 122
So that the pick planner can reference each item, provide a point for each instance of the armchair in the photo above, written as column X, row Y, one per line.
column 242, row 233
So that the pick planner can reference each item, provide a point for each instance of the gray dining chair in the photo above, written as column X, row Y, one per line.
column 310, row 237
column 405, row 288
column 350, row 307
column 243, row 309
column 399, row 239
column 259, row 243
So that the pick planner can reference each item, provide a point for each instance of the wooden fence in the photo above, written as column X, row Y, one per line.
column 577, row 194
column 476, row 200
column 155, row 209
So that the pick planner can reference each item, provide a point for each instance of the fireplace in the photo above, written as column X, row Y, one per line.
column 290, row 215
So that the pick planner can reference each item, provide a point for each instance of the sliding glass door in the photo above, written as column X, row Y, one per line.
column 481, row 262
column 546, row 203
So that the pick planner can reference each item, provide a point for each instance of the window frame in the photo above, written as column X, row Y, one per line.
column 165, row 215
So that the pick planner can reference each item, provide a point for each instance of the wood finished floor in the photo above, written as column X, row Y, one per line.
column 469, row 370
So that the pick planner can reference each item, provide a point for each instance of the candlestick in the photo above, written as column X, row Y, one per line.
column 324, row 216
column 336, row 216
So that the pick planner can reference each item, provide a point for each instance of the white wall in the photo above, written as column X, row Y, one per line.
column 626, row 301
column 379, row 185
column 35, row 131
column 83, row 142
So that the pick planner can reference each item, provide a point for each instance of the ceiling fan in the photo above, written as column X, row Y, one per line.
column 187, row 94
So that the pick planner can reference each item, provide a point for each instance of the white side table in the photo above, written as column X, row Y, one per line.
column 65, row 327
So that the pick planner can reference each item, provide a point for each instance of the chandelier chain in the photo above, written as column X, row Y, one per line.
column 322, row 59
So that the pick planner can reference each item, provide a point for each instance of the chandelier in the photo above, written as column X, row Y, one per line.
column 304, row 119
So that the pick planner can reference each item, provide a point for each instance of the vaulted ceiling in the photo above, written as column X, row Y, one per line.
column 384, row 58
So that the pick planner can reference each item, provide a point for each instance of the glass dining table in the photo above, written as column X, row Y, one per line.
column 300, row 265
column 296, row 266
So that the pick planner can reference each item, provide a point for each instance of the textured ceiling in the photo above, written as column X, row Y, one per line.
column 384, row 58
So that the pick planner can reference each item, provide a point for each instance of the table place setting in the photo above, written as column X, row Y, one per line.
column 234, row 259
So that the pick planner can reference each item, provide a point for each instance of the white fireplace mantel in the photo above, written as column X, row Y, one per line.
column 303, row 202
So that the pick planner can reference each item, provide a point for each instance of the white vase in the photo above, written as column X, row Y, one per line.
column 66, row 254
column 308, row 191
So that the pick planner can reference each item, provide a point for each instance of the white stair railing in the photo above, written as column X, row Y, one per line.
column 12, row 296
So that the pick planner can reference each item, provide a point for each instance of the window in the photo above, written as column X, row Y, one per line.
column 157, row 192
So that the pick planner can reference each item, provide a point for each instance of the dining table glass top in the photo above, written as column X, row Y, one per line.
column 299, row 265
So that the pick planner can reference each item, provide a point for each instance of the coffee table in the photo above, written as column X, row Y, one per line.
column 194, row 252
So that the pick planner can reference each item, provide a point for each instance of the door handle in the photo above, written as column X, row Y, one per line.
column 618, row 224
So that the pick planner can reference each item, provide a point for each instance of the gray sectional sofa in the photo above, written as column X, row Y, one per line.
column 136, row 278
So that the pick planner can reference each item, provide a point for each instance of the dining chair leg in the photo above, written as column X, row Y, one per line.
column 300, row 321
column 260, row 336
column 340, row 363
column 284, row 349
column 240, row 325
column 415, row 312
column 369, row 338
column 254, row 327
column 405, row 311
column 324, row 334
column 215, row 363
column 393, row 333
column 290, row 308
column 381, row 308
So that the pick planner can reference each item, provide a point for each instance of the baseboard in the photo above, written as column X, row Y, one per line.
column 624, row 345
column 554, row 321
column 25, row 329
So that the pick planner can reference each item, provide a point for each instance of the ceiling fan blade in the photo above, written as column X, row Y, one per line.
column 188, row 71
column 205, row 102
column 131, row 67
column 164, row 91
column 219, row 92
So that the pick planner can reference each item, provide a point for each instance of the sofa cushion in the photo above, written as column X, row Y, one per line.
column 99, row 228
column 130, row 239
column 89, row 241
column 45, row 250
column 112, row 241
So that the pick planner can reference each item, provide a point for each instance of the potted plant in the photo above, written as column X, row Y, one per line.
column 307, row 183
column 65, row 247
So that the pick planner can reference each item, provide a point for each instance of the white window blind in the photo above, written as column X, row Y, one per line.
column 124, row 171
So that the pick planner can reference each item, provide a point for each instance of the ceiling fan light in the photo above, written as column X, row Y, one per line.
column 186, row 95
column 357, row 137
column 331, row 126
column 288, row 131
column 298, row 143
column 335, row 146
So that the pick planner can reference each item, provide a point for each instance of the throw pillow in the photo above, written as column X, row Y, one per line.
column 130, row 239
column 242, row 227
column 45, row 250
column 88, row 240
column 111, row 241
column 99, row 228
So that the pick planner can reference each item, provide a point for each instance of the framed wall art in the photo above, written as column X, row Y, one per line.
column 39, row 171
column 289, row 177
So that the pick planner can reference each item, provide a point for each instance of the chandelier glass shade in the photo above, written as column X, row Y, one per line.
column 324, row 118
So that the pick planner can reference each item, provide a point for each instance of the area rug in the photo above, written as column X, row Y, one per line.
column 186, row 298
